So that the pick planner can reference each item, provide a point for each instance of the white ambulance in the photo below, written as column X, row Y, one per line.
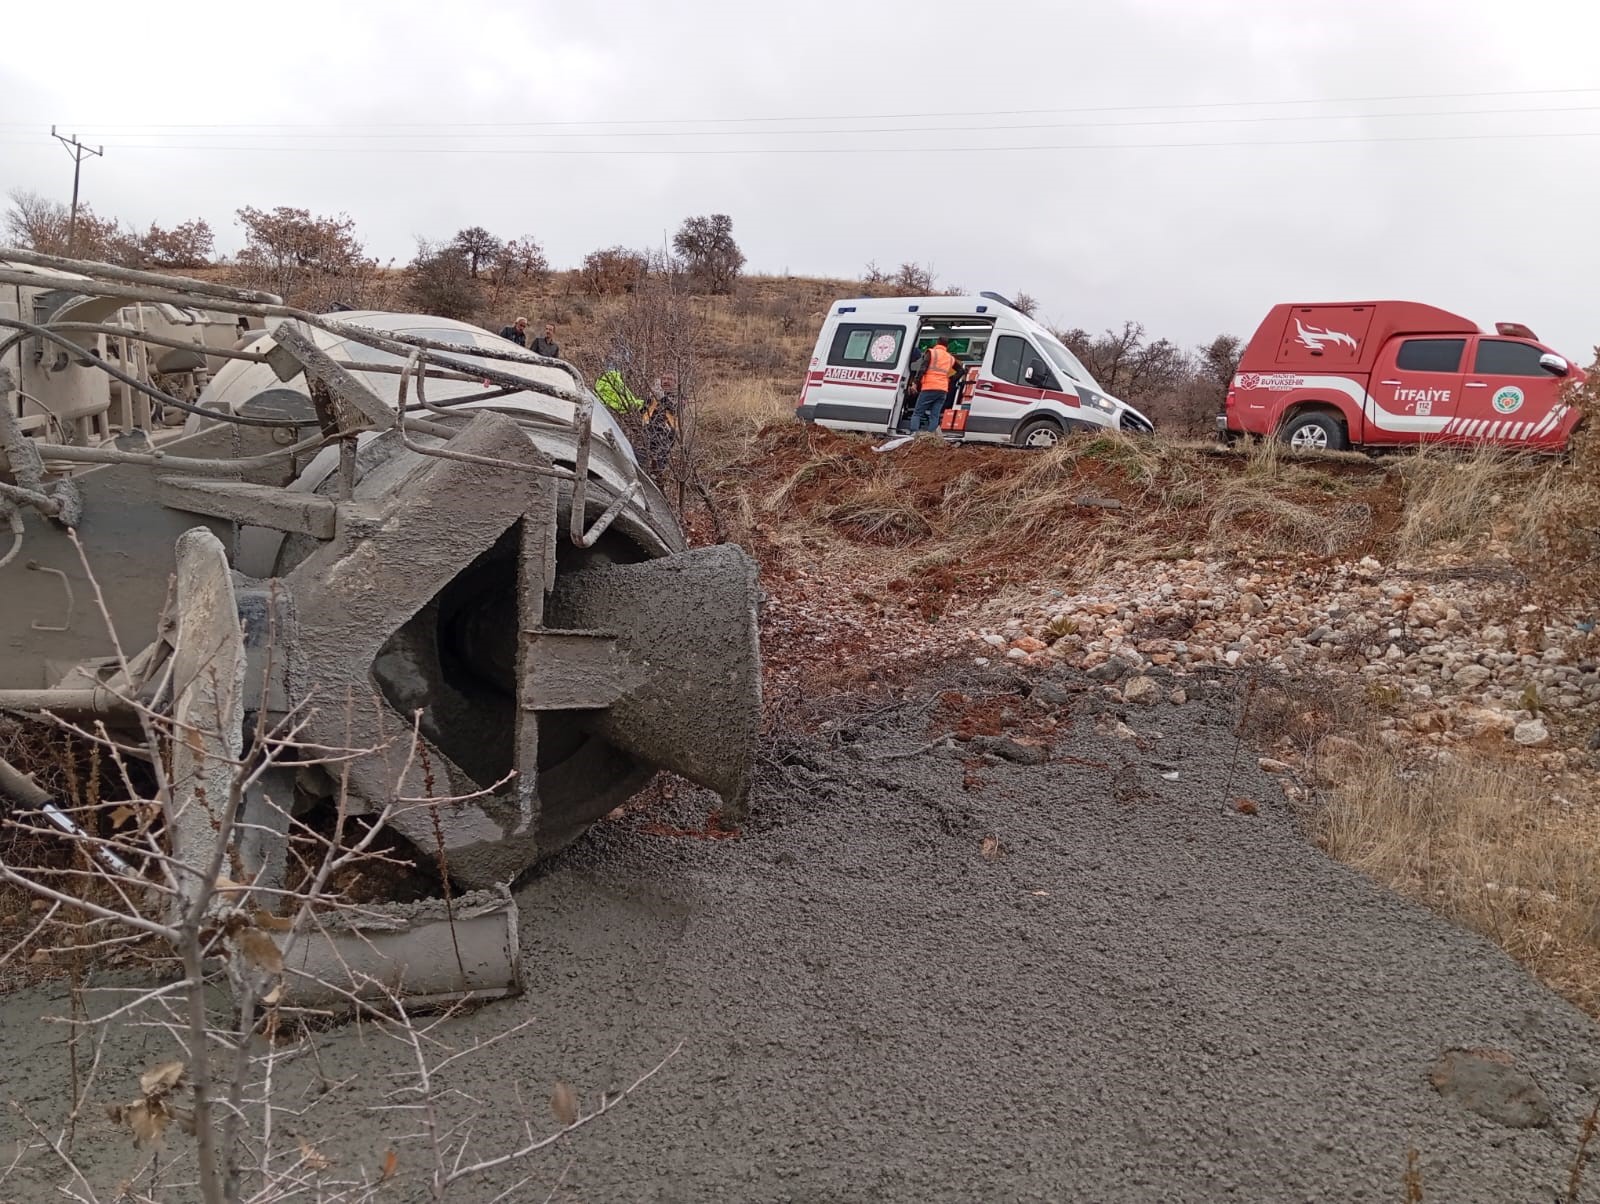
column 1020, row 386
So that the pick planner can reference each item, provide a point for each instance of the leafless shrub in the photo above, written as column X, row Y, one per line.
column 786, row 314
column 1219, row 360
column 308, row 260
column 440, row 280
column 187, row 245
column 613, row 271
column 656, row 340
column 1181, row 393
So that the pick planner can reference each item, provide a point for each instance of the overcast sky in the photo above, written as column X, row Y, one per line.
column 1166, row 168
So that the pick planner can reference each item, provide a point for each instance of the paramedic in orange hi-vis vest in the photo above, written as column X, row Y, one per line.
column 934, row 388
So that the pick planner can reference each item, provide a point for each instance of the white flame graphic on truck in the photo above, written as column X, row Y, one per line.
column 1315, row 337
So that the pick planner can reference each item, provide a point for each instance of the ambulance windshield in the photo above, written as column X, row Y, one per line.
column 1066, row 361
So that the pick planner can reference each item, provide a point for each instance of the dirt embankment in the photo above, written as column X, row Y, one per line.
column 1426, row 613
column 871, row 558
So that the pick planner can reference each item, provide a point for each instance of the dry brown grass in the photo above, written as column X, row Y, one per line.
column 1459, row 501
column 729, row 415
column 1135, row 499
column 879, row 510
column 1247, row 515
column 1485, row 842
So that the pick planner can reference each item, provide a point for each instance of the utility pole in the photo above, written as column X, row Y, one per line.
column 78, row 151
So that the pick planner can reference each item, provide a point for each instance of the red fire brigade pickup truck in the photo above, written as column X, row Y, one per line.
column 1384, row 373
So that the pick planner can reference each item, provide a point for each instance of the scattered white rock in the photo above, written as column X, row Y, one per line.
column 1531, row 733
column 1140, row 691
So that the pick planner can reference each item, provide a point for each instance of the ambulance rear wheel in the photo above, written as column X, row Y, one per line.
column 1039, row 432
column 1314, row 431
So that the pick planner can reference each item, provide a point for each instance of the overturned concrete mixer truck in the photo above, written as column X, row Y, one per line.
column 374, row 524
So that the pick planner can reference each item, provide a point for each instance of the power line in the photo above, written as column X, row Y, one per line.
column 857, row 150
column 611, row 121
column 78, row 151
column 904, row 129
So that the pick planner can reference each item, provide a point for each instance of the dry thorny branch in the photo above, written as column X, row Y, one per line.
column 238, row 1107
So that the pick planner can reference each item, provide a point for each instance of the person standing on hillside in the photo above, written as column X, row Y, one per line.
column 517, row 332
column 939, row 366
column 545, row 344
column 661, row 425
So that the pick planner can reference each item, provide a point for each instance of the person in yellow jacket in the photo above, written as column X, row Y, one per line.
column 934, row 388
column 615, row 395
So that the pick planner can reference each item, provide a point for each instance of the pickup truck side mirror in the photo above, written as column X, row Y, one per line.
column 1554, row 364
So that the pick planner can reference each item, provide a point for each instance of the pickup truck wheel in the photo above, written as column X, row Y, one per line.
column 1314, row 432
column 1039, row 432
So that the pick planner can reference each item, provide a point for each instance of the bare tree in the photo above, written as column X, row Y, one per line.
column 523, row 259
column 439, row 280
column 914, row 280
column 1219, row 359
column 41, row 224
column 1178, row 391
column 520, row 261
column 713, row 258
column 1026, row 303
column 37, row 223
column 479, row 246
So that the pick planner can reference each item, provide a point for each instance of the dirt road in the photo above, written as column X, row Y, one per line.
column 1142, row 994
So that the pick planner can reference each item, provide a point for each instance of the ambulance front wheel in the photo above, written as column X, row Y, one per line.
column 1039, row 432
column 1314, row 431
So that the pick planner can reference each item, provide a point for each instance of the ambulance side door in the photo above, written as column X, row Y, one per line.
column 1416, row 387
column 1003, row 394
column 856, row 385
column 1509, row 397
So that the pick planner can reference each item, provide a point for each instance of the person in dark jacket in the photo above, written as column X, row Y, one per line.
column 545, row 344
column 661, row 425
column 517, row 332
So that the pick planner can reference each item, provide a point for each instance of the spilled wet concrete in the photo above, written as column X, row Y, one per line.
column 930, row 977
